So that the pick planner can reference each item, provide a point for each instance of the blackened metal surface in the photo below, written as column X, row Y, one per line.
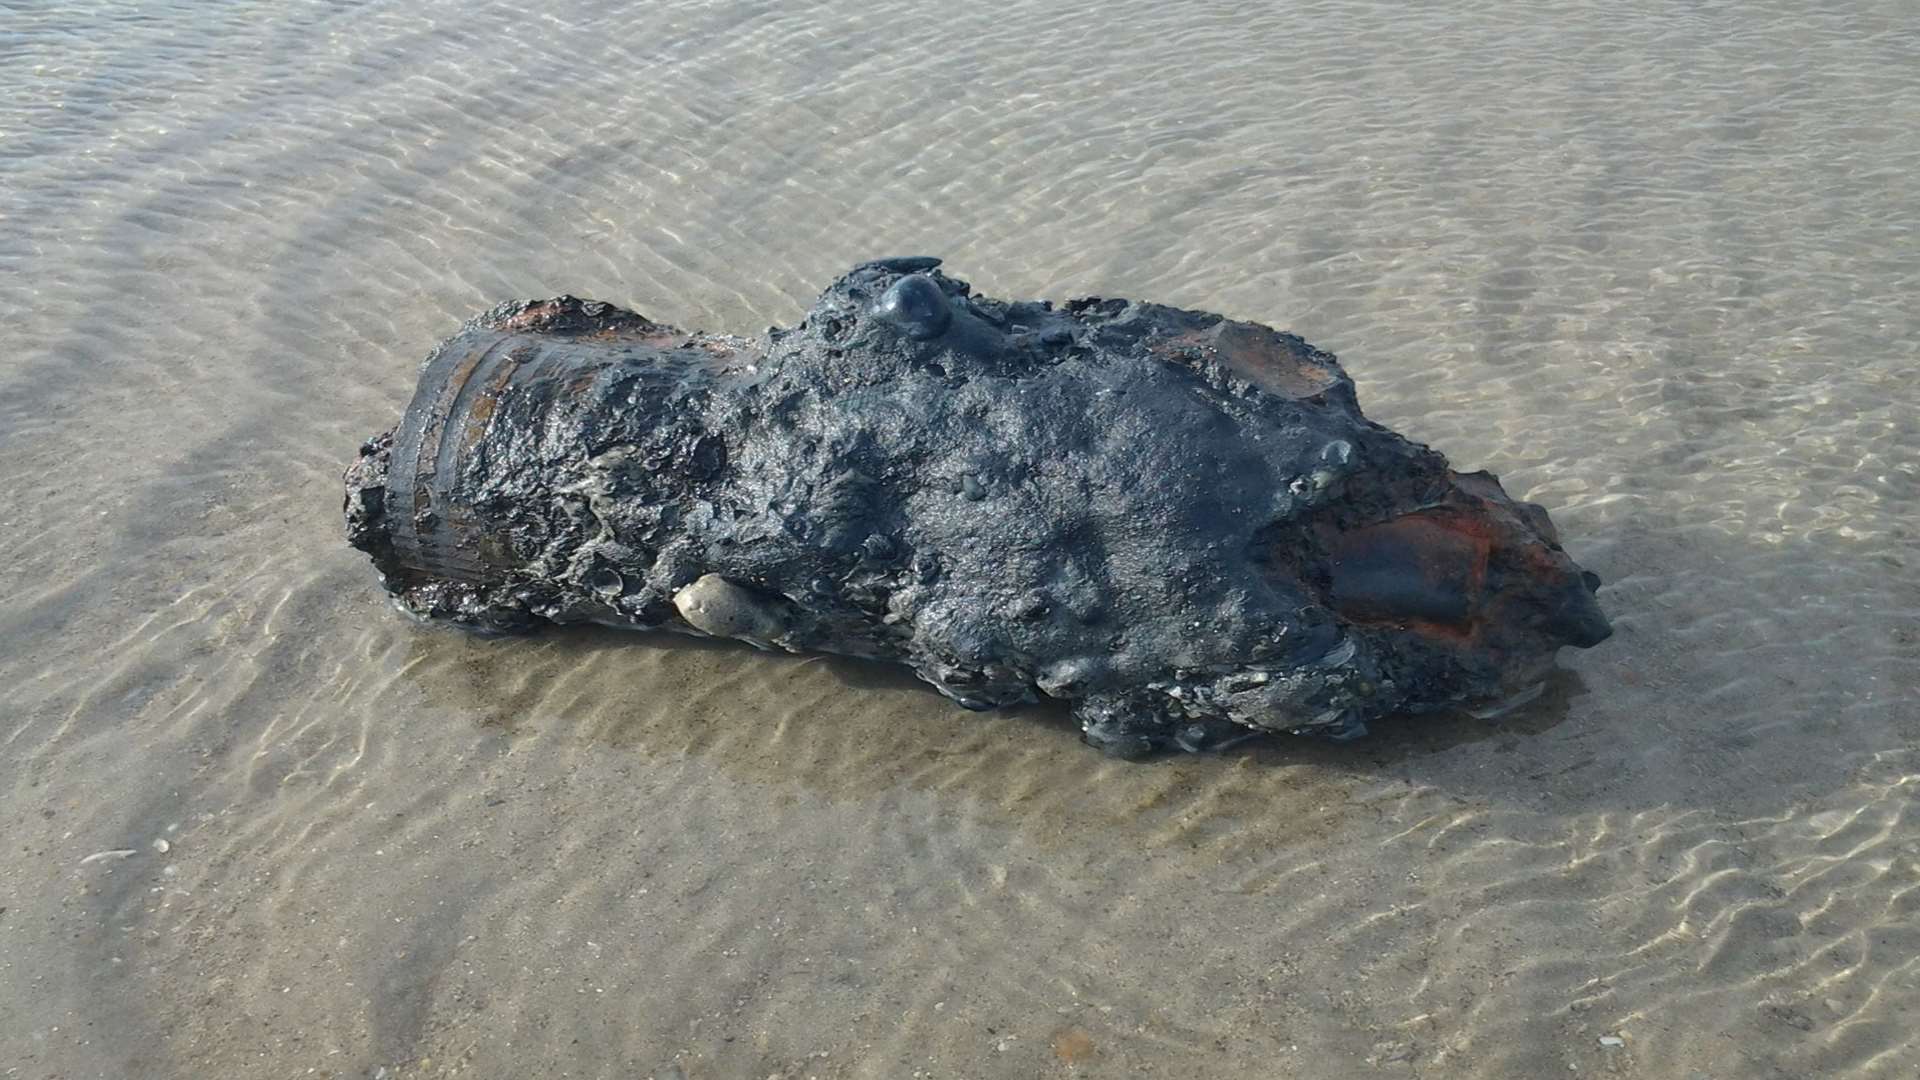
column 1180, row 523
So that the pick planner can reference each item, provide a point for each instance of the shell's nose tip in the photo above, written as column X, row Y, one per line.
column 1577, row 618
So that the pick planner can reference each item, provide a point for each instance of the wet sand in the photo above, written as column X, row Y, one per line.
column 1653, row 266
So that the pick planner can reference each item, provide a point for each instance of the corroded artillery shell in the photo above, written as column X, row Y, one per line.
column 1179, row 523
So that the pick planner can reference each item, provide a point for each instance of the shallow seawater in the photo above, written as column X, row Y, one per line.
column 1655, row 265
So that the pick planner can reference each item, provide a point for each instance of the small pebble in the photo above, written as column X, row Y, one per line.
column 1072, row 1045
column 162, row 846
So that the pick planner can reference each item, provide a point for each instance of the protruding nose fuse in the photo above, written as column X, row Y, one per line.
column 917, row 306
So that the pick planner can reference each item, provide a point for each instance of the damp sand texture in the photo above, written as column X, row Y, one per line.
column 1653, row 265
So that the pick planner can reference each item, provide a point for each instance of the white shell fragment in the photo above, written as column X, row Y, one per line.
column 717, row 606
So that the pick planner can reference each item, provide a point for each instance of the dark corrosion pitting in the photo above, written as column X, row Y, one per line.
column 1179, row 523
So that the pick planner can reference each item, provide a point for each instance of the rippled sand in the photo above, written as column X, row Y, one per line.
column 1656, row 266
